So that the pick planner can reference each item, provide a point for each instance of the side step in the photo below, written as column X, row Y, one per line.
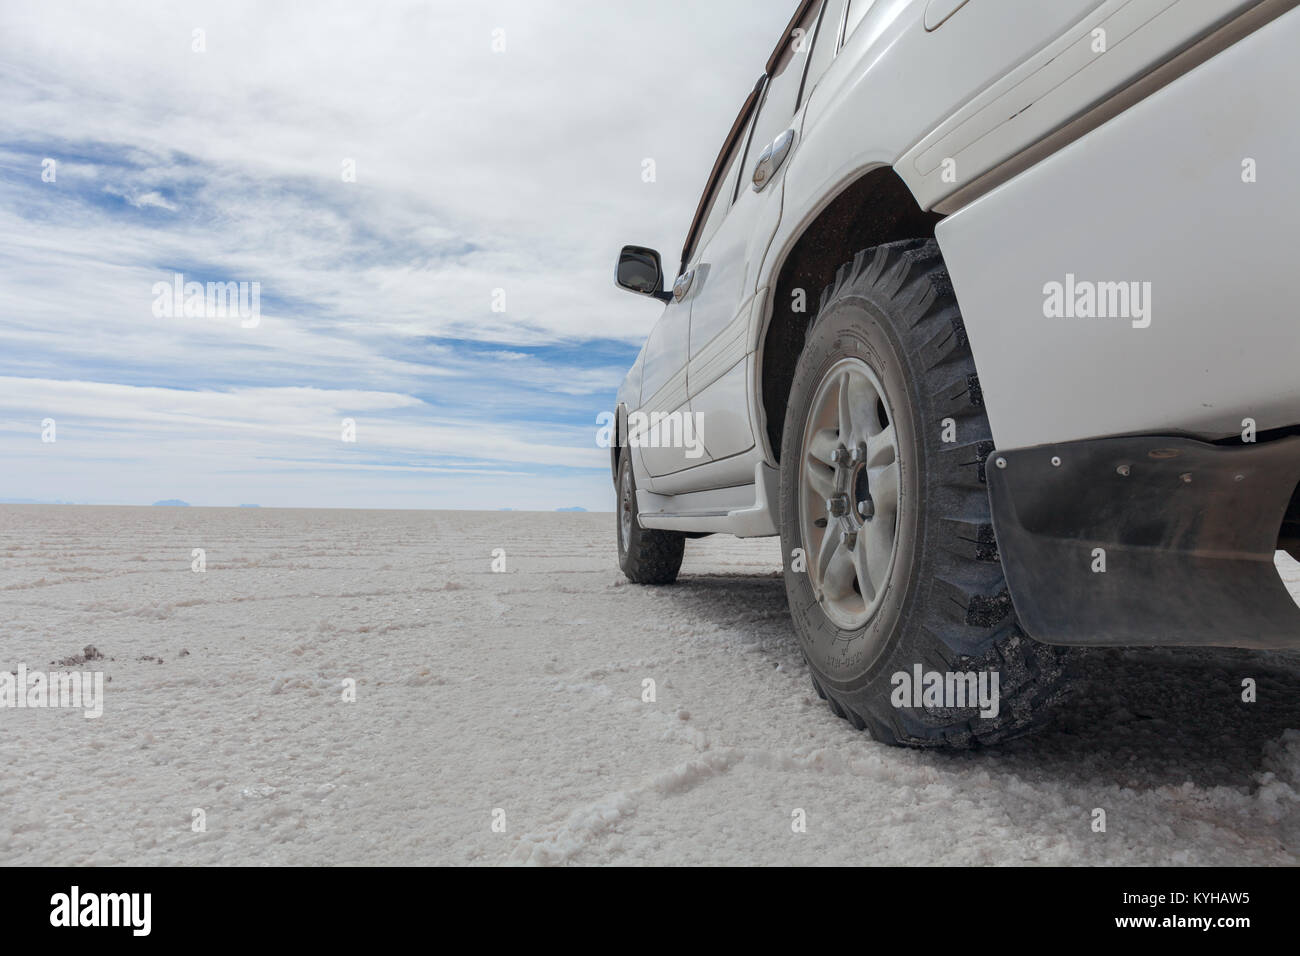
column 1185, row 532
column 746, row 511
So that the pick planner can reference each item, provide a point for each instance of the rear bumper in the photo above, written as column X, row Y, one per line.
column 1147, row 541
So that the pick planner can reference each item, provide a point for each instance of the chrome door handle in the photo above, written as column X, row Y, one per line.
column 683, row 285
column 770, row 160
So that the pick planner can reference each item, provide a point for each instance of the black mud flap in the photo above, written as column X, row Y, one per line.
column 1147, row 541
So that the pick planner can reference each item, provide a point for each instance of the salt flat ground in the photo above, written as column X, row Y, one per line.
column 521, row 692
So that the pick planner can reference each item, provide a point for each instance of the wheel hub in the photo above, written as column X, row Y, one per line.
column 625, row 506
column 849, row 492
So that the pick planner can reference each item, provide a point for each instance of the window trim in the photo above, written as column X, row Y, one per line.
column 804, row 8
column 844, row 22
column 741, row 125
column 799, row 14
column 760, row 90
column 746, row 111
column 803, row 80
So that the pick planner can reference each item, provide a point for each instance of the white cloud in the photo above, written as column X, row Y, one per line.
column 475, row 171
column 142, row 200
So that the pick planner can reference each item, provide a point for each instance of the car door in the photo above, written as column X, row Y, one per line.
column 659, row 432
column 663, row 392
column 722, row 275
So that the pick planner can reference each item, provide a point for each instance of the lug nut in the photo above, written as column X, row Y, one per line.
column 849, row 539
column 859, row 454
column 838, row 505
column 867, row 508
column 839, row 455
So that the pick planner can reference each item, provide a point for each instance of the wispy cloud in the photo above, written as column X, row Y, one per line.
column 481, row 179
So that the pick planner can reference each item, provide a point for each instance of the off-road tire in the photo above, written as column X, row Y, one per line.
column 945, row 605
column 646, row 556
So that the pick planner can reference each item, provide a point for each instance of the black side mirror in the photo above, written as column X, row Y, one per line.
column 640, row 270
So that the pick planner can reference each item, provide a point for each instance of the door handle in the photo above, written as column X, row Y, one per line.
column 770, row 160
column 683, row 285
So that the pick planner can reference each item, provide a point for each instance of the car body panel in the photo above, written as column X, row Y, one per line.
column 997, row 84
column 1216, row 252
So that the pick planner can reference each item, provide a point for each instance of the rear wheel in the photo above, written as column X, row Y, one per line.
column 892, row 570
column 646, row 556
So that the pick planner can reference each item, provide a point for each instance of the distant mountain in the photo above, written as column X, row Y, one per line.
column 574, row 508
column 250, row 506
column 171, row 503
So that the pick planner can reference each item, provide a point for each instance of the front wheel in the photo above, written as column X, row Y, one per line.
column 646, row 556
column 891, row 567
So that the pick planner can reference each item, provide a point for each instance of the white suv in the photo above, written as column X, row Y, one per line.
column 986, row 310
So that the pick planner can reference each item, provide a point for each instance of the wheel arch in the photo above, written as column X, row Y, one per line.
column 871, row 208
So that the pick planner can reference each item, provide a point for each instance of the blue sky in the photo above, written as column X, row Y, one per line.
column 476, row 170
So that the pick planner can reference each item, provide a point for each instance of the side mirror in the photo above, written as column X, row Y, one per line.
column 639, row 270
